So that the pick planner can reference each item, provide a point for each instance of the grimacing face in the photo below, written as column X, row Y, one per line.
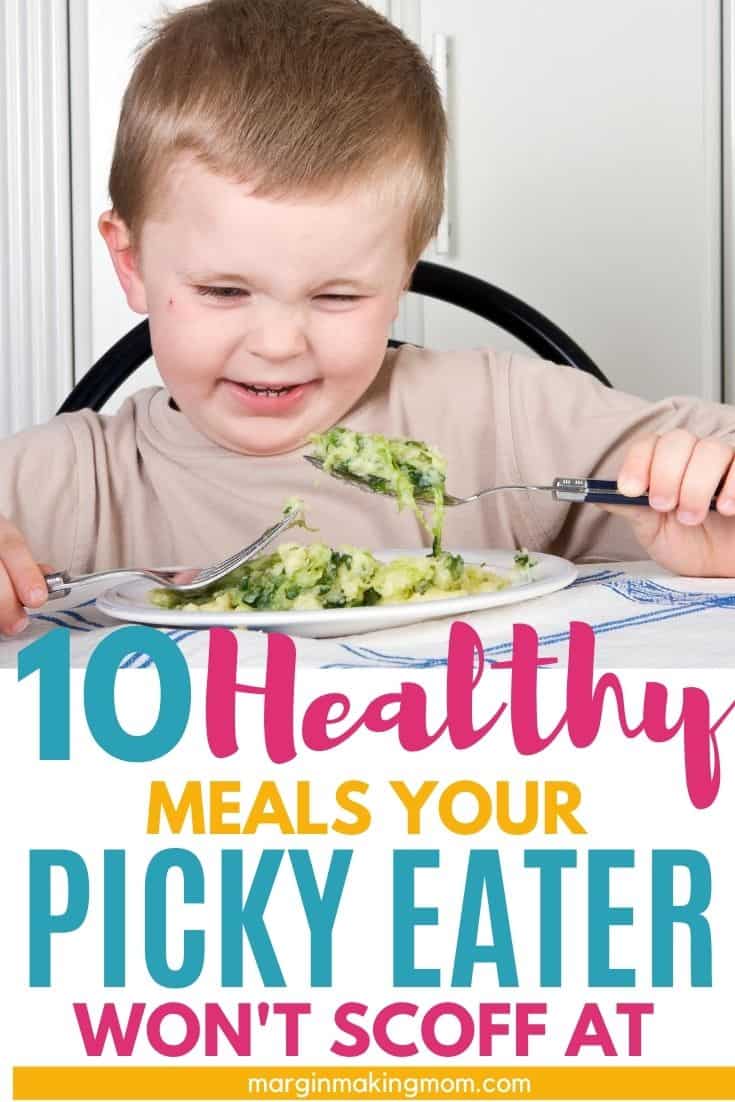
column 269, row 317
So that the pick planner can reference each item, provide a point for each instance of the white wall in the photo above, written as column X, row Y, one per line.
column 585, row 174
column 586, row 177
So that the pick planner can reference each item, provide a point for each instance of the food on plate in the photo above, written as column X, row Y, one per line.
column 319, row 577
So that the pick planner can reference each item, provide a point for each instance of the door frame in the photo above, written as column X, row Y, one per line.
column 728, row 200
column 36, row 272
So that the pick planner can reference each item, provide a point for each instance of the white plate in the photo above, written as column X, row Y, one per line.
column 129, row 601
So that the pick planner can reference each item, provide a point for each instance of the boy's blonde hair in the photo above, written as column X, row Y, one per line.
column 296, row 97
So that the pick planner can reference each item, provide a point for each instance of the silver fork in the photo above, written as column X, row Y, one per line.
column 60, row 584
column 594, row 490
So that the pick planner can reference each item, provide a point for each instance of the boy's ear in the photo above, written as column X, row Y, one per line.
column 124, row 258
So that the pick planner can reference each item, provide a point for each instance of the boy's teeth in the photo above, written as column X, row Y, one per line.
column 270, row 391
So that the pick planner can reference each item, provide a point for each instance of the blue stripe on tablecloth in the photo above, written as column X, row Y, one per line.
column 139, row 661
column 605, row 626
column 601, row 575
column 84, row 619
column 59, row 623
column 76, row 617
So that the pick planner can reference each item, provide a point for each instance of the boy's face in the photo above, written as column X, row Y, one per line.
column 269, row 317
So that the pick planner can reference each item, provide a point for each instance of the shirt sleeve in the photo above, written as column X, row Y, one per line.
column 564, row 423
column 39, row 490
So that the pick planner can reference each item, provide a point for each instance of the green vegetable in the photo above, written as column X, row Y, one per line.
column 296, row 505
column 316, row 577
column 408, row 469
column 523, row 561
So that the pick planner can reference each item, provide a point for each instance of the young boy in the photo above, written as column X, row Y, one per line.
column 277, row 174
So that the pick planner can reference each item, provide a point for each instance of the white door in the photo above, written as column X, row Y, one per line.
column 585, row 177
column 35, row 224
column 728, row 196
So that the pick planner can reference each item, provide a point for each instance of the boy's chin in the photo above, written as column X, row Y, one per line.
column 263, row 440
column 264, row 435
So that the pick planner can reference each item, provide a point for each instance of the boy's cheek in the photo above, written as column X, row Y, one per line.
column 180, row 305
column 187, row 333
column 183, row 364
column 360, row 334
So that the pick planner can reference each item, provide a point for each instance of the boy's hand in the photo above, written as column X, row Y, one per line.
column 21, row 579
column 681, row 474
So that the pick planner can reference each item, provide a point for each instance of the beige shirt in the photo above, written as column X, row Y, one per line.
column 145, row 488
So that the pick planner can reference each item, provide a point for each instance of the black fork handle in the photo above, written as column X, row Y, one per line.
column 605, row 492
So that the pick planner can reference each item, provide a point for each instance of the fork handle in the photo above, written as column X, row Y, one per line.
column 57, row 585
column 598, row 490
column 60, row 584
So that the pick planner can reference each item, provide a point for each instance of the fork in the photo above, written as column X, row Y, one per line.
column 595, row 490
column 60, row 584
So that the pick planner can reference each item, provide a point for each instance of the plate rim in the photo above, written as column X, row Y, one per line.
column 270, row 618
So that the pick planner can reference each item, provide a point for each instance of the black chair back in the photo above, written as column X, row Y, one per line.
column 434, row 280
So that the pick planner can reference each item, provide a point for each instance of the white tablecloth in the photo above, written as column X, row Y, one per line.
column 641, row 616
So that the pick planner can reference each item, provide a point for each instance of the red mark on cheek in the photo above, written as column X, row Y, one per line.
column 170, row 302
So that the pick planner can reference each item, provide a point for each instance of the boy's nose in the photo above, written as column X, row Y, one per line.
column 276, row 335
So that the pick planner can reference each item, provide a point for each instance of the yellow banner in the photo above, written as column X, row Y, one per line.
column 201, row 1084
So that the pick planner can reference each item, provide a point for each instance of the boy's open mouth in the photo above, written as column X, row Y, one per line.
column 269, row 391
column 267, row 397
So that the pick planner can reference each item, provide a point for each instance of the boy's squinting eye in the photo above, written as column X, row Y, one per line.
column 221, row 292
column 240, row 292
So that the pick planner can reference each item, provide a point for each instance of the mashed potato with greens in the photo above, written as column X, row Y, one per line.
column 408, row 469
column 318, row 577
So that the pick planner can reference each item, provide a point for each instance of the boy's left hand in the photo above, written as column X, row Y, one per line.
column 681, row 474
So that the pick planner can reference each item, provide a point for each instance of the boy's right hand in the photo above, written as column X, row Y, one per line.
column 21, row 579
